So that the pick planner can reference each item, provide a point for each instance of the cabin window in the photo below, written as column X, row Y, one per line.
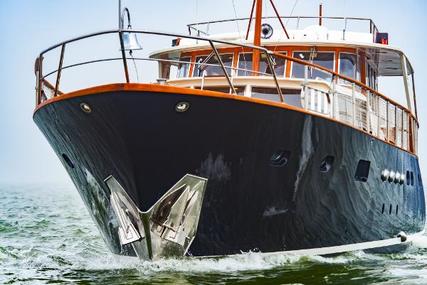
column 324, row 59
column 278, row 63
column 245, row 64
column 348, row 65
column 290, row 96
column 210, row 65
column 183, row 67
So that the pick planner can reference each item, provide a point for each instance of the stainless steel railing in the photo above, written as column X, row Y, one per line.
column 347, row 100
column 296, row 22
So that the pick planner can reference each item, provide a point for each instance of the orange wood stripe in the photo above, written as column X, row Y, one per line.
column 157, row 88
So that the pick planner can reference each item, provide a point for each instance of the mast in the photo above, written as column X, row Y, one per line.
column 257, row 36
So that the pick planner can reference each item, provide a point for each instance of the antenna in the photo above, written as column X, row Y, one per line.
column 120, row 14
column 320, row 13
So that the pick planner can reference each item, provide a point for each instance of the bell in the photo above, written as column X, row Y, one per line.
column 130, row 41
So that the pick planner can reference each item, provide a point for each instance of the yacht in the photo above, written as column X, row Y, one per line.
column 273, row 138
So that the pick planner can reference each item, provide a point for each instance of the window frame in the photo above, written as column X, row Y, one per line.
column 358, row 73
column 220, row 54
column 189, row 67
column 309, row 51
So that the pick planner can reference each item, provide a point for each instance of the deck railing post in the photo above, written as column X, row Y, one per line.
column 368, row 112
column 353, row 96
column 58, row 76
column 273, row 72
column 401, row 141
column 223, row 67
column 125, row 64
column 332, row 92
column 40, row 79
column 386, row 105
column 378, row 116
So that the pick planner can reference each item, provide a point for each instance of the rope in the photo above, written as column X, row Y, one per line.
column 287, row 21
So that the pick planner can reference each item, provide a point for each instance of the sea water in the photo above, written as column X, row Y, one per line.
column 48, row 237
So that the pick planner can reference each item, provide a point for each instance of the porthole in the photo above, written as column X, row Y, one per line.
column 326, row 164
column 412, row 179
column 182, row 107
column 391, row 208
column 67, row 160
column 85, row 108
column 397, row 210
column 382, row 210
column 408, row 178
column 280, row 158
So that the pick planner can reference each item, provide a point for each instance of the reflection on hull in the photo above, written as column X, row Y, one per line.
column 278, row 179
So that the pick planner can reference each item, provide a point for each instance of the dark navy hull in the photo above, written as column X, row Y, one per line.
column 252, row 201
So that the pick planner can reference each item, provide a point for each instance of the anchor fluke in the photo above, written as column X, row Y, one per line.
column 168, row 228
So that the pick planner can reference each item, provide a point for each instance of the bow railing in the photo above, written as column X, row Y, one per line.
column 343, row 99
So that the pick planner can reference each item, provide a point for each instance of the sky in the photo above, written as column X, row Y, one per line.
column 30, row 26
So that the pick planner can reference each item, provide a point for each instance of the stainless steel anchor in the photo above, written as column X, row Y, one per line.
column 168, row 228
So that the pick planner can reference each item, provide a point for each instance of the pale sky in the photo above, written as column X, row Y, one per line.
column 28, row 27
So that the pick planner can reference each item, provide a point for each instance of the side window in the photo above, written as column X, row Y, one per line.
column 348, row 65
column 362, row 170
column 324, row 59
column 183, row 67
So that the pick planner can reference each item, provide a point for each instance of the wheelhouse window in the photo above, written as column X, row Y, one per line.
column 349, row 66
column 324, row 59
column 183, row 67
column 245, row 65
column 211, row 66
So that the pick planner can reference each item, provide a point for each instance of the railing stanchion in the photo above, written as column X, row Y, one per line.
column 353, row 96
column 58, row 76
column 223, row 67
column 332, row 97
column 125, row 64
column 273, row 72
column 368, row 112
column 40, row 79
column 386, row 120
column 378, row 116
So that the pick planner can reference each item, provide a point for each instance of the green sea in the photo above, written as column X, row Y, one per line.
column 48, row 237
